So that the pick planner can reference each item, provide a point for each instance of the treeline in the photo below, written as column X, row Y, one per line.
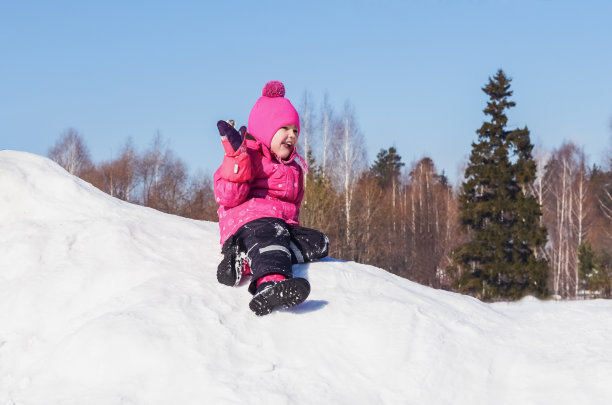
column 155, row 177
column 410, row 221
column 405, row 223
column 406, row 219
column 576, row 201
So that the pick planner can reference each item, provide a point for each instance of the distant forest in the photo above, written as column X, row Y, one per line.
column 408, row 219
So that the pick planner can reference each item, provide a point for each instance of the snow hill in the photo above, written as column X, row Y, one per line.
column 104, row 302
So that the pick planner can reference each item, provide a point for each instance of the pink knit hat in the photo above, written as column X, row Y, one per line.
column 271, row 112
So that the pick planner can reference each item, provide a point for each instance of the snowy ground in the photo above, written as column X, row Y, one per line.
column 104, row 302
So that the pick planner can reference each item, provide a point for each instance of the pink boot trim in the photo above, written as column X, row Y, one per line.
column 271, row 277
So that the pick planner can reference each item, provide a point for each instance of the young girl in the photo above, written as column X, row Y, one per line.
column 259, row 189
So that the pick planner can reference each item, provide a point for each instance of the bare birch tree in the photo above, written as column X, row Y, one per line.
column 306, row 126
column 149, row 169
column 326, row 131
column 429, row 221
column 350, row 162
column 370, row 234
column 565, row 211
column 604, row 198
column 119, row 175
column 71, row 153
column 538, row 190
column 199, row 202
column 452, row 234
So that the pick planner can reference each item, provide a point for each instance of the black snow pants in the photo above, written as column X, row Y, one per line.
column 272, row 246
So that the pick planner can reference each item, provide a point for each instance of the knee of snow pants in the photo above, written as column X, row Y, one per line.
column 307, row 244
column 267, row 241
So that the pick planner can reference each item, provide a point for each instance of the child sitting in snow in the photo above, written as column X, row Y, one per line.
column 259, row 188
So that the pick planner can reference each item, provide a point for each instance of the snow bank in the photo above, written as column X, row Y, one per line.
column 104, row 302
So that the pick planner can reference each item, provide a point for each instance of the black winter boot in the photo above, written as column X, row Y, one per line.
column 229, row 271
column 276, row 294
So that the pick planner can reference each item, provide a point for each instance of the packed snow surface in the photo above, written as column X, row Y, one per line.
column 105, row 302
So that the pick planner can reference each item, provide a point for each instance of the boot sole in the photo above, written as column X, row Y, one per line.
column 287, row 293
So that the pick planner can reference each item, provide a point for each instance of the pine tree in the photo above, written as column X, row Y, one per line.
column 387, row 167
column 502, row 220
column 386, row 170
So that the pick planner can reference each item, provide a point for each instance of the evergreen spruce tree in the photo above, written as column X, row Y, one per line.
column 387, row 167
column 502, row 220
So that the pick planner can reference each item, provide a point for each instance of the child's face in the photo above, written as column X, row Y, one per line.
column 284, row 140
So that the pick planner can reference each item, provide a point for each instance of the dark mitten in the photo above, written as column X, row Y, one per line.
column 236, row 165
column 227, row 131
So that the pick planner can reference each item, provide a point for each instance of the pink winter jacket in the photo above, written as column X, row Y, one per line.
column 275, row 190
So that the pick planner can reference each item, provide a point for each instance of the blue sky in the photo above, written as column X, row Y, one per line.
column 413, row 71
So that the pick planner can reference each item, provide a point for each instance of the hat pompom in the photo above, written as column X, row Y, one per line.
column 274, row 89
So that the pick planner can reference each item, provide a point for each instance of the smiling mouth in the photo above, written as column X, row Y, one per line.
column 288, row 144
